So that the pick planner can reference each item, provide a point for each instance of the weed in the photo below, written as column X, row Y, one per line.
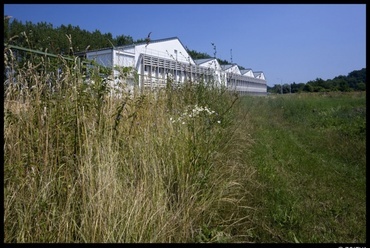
column 87, row 162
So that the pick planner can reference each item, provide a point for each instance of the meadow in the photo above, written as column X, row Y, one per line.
column 185, row 163
column 310, row 156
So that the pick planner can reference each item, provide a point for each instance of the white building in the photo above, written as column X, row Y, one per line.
column 212, row 64
column 247, row 72
column 157, row 60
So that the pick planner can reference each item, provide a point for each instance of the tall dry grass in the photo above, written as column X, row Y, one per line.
column 82, row 164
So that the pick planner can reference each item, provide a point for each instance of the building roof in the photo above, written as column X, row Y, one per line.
column 246, row 71
column 225, row 67
column 82, row 53
column 151, row 41
column 201, row 61
column 258, row 74
column 131, row 45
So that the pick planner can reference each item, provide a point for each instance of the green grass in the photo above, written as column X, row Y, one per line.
column 84, row 165
column 191, row 163
column 310, row 154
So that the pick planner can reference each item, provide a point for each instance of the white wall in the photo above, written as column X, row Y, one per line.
column 249, row 73
column 259, row 75
column 103, row 57
column 128, row 57
column 124, row 59
column 165, row 49
column 213, row 64
column 234, row 69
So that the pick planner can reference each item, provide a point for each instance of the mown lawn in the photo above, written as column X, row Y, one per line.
column 310, row 156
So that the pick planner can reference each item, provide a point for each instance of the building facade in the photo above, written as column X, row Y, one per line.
column 156, row 61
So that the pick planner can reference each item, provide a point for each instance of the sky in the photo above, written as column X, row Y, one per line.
column 290, row 43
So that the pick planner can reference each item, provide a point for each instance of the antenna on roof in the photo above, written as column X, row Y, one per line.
column 231, row 54
column 148, row 39
column 214, row 48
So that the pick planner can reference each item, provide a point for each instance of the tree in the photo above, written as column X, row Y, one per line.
column 361, row 86
column 297, row 87
column 344, row 86
column 286, row 88
column 197, row 55
column 359, row 75
column 308, row 87
column 122, row 40
column 275, row 89
column 223, row 62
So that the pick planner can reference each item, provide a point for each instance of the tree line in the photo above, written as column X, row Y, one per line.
column 44, row 36
column 354, row 81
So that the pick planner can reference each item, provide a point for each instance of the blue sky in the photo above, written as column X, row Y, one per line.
column 288, row 42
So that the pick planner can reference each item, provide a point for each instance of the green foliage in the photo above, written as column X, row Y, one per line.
column 311, row 160
column 43, row 35
column 213, row 235
column 223, row 62
column 197, row 55
column 122, row 40
column 354, row 81
column 87, row 162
